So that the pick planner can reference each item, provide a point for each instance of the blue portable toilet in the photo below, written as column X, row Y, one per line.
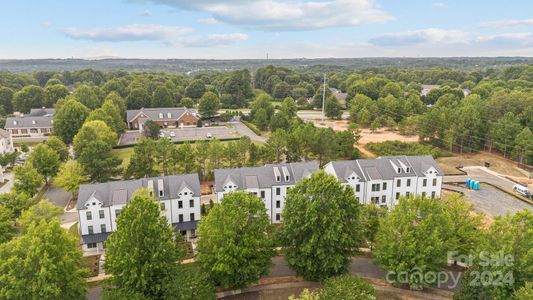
column 472, row 182
column 468, row 183
column 476, row 185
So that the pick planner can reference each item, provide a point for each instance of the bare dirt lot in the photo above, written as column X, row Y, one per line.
column 503, row 166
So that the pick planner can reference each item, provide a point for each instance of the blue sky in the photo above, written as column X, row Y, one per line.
column 251, row 29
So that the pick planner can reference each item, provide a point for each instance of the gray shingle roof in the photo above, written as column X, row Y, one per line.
column 35, row 112
column 383, row 168
column 263, row 177
column 153, row 113
column 120, row 192
column 28, row 122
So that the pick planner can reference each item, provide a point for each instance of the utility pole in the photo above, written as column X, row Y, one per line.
column 324, row 100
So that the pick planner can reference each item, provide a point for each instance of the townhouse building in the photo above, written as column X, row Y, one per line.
column 270, row 183
column 172, row 117
column 37, row 124
column 384, row 180
column 99, row 205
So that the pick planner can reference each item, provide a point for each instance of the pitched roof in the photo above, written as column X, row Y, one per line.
column 120, row 192
column 263, row 177
column 29, row 122
column 153, row 113
column 39, row 112
column 383, row 168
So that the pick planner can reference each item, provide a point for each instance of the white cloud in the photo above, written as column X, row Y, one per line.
column 423, row 36
column 213, row 39
column 507, row 23
column 507, row 39
column 208, row 21
column 439, row 5
column 134, row 32
column 289, row 15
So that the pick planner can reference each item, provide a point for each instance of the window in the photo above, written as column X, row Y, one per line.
column 432, row 194
column 278, row 204
column 191, row 203
column 434, row 181
column 90, row 229
column 160, row 115
column 91, row 245
column 278, row 191
column 278, row 178
column 375, row 187
column 101, row 213
column 384, row 186
column 287, row 178
column 423, row 194
column 397, row 196
column 278, row 217
column 192, row 216
column 407, row 170
column 383, row 199
column 263, row 194
column 407, row 194
column 399, row 170
column 102, row 228
column 408, row 182
column 160, row 193
column 117, row 212
column 169, row 115
column 180, row 204
column 162, row 206
column 89, row 215
column 424, row 182
column 398, row 183
column 374, row 200
column 180, row 218
column 357, row 187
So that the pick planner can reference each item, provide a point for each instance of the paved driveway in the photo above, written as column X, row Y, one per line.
column 9, row 184
column 244, row 130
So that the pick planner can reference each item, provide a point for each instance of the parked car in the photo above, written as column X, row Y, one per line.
column 161, row 134
column 209, row 135
column 520, row 189
column 172, row 134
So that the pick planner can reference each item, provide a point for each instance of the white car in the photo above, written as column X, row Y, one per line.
column 161, row 134
column 521, row 190
column 209, row 135
column 172, row 134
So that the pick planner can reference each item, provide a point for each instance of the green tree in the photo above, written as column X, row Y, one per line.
column 69, row 119
column 110, row 114
column 56, row 144
column 277, row 144
column 281, row 90
column 27, row 179
column 151, row 129
column 28, row 97
column 234, row 247
column 289, row 107
column 71, row 175
column 42, row 211
column 183, row 159
column 54, row 92
column 209, row 105
column 523, row 150
column 143, row 160
column 16, row 202
column 7, row 224
column 262, row 110
column 93, row 131
column 508, row 236
column 279, row 121
column 6, row 99
column 138, row 98
column 418, row 228
column 321, row 227
column 44, row 263
column 163, row 97
column 99, row 162
column 187, row 102
column 195, row 89
column 371, row 215
column 45, row 160
column 504, row 132
column 164, row 150
column 333, row 107
column 261, row 119
column 88, row 96
column 143, row 254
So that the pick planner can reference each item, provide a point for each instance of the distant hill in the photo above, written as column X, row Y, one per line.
column 195, row 65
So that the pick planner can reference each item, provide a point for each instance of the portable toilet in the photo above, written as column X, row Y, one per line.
column 476, row 185
column 468, row 183
column 472, row 182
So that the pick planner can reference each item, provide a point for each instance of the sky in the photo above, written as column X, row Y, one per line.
column 249, row 29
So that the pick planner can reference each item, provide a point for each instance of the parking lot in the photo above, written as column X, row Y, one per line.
column 185, row 134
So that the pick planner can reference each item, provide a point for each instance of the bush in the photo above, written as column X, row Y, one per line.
column 252, row 127
column 388, row 148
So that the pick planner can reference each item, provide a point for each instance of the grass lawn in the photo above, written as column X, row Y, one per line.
column 124, row 154
column 74, row 230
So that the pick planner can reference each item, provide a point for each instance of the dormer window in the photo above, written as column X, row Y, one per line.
column 407, row 170
column 14, row 122
column 160, row 115
column 33, row 122
column 169, row 115
column 278, row 178
column 399, row 170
